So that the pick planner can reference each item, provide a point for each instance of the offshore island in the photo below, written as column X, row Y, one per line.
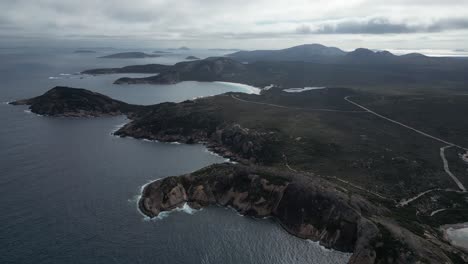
column 365, row 169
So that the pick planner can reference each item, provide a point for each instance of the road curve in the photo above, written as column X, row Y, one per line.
column 447, row 169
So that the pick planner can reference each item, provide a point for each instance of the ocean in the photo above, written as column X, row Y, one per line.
column 69, row 188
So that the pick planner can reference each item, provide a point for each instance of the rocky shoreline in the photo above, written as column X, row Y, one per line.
column 446, row 229
column 309, row 208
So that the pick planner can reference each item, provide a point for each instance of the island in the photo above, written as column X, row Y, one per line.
column 192, row 58
column 84, row 51
column 130, row 55
column 357, row 171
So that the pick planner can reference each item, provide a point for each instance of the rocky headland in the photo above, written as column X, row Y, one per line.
column 307, row 207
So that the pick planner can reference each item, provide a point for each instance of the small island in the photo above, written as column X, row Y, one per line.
column 192, row 58
column 130, row 55
column 84, row 51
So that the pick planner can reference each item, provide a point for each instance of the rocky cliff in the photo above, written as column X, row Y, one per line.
column 307, row 207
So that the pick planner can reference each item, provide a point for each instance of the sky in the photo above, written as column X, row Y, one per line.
column 243, row 24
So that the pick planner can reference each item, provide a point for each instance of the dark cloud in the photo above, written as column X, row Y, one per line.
column 384, row 26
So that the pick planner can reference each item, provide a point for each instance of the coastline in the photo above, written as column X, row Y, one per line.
column 186, row 208
column 248, row 88
column 448, row 235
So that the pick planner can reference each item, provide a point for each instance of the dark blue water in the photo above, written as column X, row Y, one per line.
column 68, row 189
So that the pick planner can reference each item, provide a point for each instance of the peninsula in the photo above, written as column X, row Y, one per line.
column 324, row 162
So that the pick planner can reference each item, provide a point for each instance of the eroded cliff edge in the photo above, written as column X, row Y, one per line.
column 305, row 206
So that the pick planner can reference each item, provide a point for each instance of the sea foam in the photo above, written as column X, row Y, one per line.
column 247, row 88
column 300, row 90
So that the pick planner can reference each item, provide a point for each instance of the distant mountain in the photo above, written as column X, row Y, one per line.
column 192, row 58
column 130, row 55
column 361, row 68
column 414, row 55
column 308, row 52
column 331, row 55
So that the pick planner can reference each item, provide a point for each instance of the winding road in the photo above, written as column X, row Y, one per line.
column 442, row 150
column 367, row 110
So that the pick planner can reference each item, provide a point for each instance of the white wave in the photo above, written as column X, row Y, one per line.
column 5, row 103
column 64, row 76
column 184, row 209
column 117, row 127
column 27, row 111
column 266, row 88
column 328, row 250
column 175, row 143
column 219, row 156
column 150, row 140
column 300, row 90
column 247, row 88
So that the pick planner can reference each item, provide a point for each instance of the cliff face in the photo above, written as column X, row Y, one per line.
column 305, row 206
column 73, row 102
column 307, row 209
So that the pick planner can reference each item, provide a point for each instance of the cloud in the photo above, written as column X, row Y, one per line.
column 227, row 20
column 382, row 25
column 304, row 29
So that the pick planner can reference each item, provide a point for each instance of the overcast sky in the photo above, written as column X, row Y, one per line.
column 246, row 24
